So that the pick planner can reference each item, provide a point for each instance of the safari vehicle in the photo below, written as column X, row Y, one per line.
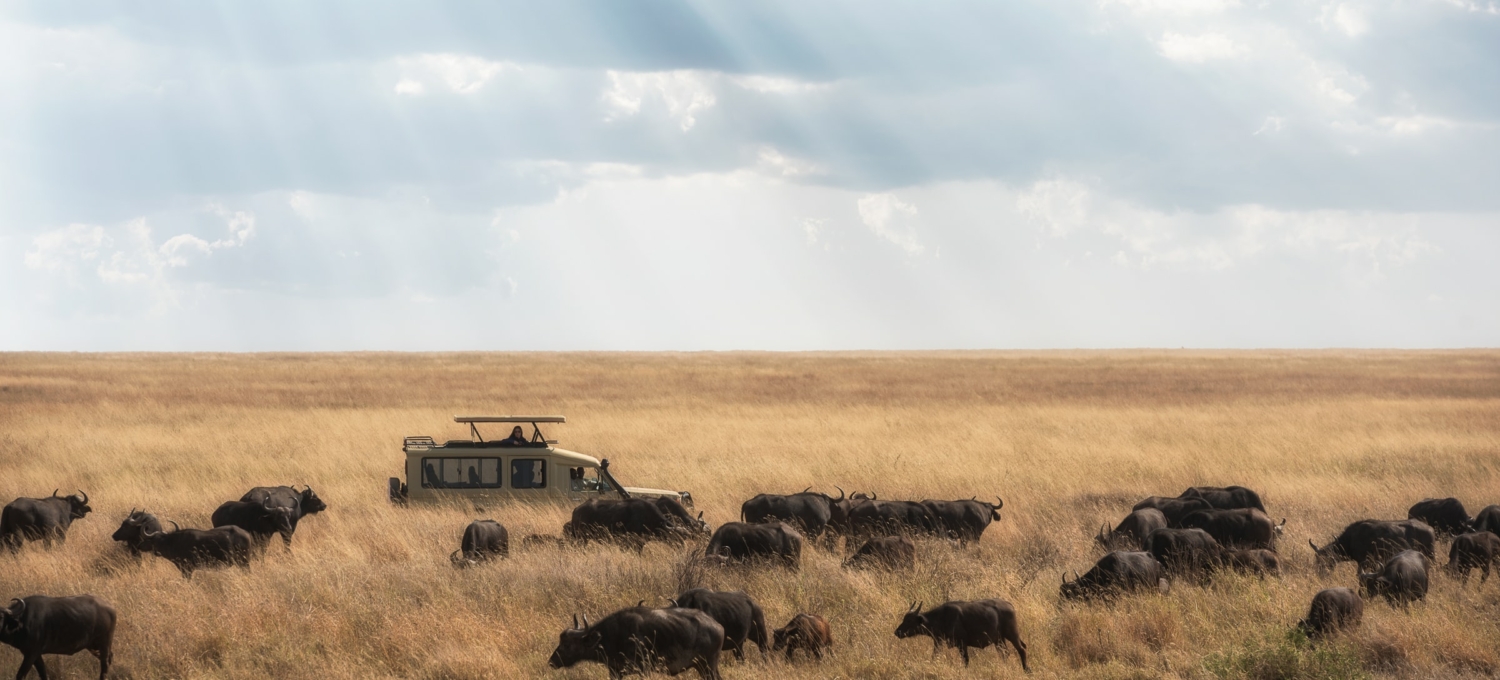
column 514, row 468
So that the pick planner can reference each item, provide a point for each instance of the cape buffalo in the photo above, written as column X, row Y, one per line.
column 1332, row 610
column 38, row 625
column 262, row 519
column 1117, row 572
column 1184, row 551
column 1371, row 541
column 1402, row 579
column 961, row 624
column 302, row 503
column 132, row 531
column 1226, row 497
column 738, row 541
column 740, row 616
column 678, row 516
column 889, row 552
column 1446, row 516
column 1488, row 519
column 1173, row 508
column 1256, row 562
column 483, row 540
column 804, row 631
column 642, row 639
column 632, row 521
column 41, row 519
column 192, row 549
column 1132, row 530
column 964, row 520
column 809, row 511
column 1470, row 551
column 884, row 518
column 1240, row 528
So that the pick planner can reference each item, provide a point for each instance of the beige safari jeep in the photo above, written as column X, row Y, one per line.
column 518, row 467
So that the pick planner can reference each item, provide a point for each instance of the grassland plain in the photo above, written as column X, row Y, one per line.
column 1069, row 439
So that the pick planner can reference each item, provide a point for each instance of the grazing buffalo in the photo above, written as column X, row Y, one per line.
column 884, row 518
column 1174, row 509
column 1370, row 541
column 41, row 519
column 262, row 519
column 964, row 521
column 1116, row 573
column 1226, row 497
column 1132, row 530
column 815, row 514
column 632, row 521
column 1470, row 551
column 39, row 625
column 679, row 517
column 961, row 624
column 804, row 631
column 1446, row 516
column 740, row 616
column 643, row 639
column 888, row 552
column 1240, row 528
column 1184, row 551
column 192, row 549
column 1402, row 579
column 1254, row 562
column 1488, row 519
column 133, row 530
column 1332, row 610
column 739, row 541
column 483, row 539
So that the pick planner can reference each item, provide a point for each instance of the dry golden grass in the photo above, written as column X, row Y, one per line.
column 1069, row 439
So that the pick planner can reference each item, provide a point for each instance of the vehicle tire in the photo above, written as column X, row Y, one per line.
column 396, row 491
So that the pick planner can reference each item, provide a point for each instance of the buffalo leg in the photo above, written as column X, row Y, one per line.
column 1485, row 573
column 105, row 656
column 963, row 652
column 1015, row 641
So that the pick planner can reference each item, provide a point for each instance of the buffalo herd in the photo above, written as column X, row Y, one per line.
column 1192, row 537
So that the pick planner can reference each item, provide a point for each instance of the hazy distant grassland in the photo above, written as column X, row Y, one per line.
column 1069, row 440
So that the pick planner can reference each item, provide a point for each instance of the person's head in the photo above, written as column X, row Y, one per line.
column 517, row 433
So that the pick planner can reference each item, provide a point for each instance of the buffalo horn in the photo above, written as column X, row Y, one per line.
column 841, row 492
column 1065, row 577
column 453, row 556
column 807, row 489
column 642, row 603
column 1283, row 522
column 175, row 528
column 919, row 606
column 54, row 493
column 585, row 620
column 874, row 497
column 575, row 621
column 85, row 496
column 1313, row 545
column 17, row 612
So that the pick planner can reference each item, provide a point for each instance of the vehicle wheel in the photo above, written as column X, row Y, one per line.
column 396, row 490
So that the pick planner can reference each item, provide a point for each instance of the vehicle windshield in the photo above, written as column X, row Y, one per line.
column 588, row 479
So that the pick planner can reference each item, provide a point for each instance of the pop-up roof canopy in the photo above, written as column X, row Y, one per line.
column 509, row 419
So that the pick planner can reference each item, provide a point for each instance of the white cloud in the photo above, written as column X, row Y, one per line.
column 777, row 84
column 774, row 162
column 684, row 93
column 812, row 229
column 65, row 247
column 1272, row 125
column 461, row 73
column 890, row 219
column 1346, row 18
column 1174, row 7
column 1061, row 206
column 1198, row 48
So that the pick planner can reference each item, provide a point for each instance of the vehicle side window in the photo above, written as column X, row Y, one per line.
column 460, row 473
column 528, row 473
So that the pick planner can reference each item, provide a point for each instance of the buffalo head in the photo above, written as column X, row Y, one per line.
column 78, row 504
column 1326, row 557
column 10, row 617
column 576, row 644
column 913, row 623
column 309, row 501
column 133, row 530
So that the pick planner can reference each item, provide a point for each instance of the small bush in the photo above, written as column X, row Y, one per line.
column 1287, row 657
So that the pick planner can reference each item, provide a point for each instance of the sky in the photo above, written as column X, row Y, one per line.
column 781, row 175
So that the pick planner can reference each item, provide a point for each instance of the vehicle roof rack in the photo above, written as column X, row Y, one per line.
column 509, row 419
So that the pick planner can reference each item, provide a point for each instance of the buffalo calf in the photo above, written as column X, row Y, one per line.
column 961, row 624
column 888, row 552
column 1332, row 610
column 1401, row 580
column 39, row 625
column 1470, row 551
column 804, row 631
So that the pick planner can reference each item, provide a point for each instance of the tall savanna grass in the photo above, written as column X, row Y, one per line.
column 1070, row 440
